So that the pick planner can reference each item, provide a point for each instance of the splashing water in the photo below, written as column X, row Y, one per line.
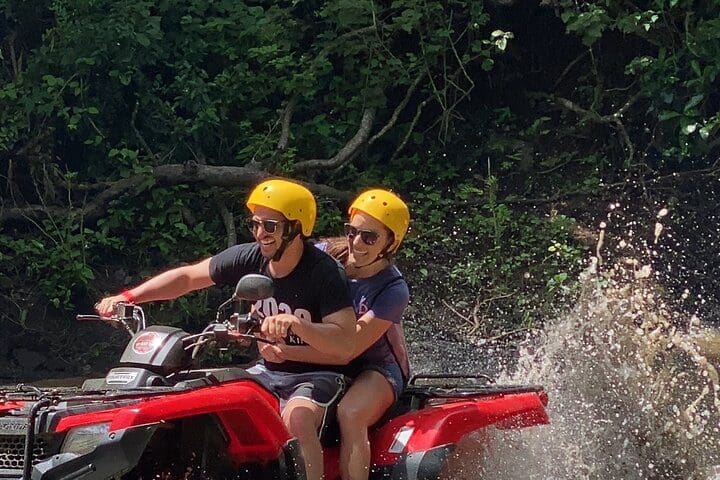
column 631, row 396
column 633, row 387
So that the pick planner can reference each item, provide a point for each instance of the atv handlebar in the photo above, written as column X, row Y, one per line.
column 236, row 328
column 127, row 316
column 225, row 333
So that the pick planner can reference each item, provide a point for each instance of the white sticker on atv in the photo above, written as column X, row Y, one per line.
column 147, row 343
column 13, row 426
column 120, row 378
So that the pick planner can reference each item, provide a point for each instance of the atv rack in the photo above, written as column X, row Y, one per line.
column 424, row 387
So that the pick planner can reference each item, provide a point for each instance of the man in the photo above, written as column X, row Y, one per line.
column 311, row 305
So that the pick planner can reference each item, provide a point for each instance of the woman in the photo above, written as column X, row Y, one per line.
column 380, row 368
column 379, row 362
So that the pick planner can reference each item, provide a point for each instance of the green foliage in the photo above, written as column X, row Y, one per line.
column 487, row 249
column 57, row 262
column 670, row 66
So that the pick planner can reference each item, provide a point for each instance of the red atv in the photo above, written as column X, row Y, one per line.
column 154, row 416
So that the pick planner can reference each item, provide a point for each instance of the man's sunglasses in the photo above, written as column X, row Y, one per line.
column 367, row 236
column 268, row 225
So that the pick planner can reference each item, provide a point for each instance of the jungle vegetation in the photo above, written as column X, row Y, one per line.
column 131, row 132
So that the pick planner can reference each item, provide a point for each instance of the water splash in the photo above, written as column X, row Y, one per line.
column 633, row 387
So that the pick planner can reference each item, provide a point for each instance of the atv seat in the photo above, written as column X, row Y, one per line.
column 330, row 434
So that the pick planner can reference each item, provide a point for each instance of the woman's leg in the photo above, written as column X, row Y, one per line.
column 368, row 398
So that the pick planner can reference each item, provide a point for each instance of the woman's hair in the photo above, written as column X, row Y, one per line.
column 336, row 247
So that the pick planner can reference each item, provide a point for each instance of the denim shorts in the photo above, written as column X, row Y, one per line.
column 390, row 370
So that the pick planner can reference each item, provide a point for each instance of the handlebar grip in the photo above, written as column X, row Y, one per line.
column 88, row 317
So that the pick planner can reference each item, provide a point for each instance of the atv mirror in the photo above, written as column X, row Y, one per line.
column 254, row 287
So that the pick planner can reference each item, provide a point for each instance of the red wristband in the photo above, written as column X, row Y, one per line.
column 129, row 297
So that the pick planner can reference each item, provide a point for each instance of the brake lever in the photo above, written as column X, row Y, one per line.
column 127, row 327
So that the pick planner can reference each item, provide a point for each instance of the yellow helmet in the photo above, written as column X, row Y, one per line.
column 387, row 208
column 291, row 199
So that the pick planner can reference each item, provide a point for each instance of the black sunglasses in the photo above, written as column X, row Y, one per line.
column 367, row 236
column 268, row 225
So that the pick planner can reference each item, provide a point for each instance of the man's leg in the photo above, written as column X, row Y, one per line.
column 303, row 419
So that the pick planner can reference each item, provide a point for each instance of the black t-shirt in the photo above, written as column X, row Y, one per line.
column 316, row 287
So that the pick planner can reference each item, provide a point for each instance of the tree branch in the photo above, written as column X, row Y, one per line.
column 654, row 180
column 414, row 122
column 360, row 31
column 137, row 133
column 612, row 119
column 285, row 122
column 167, row 175
column 568, row 68
column 396, row 113
column 228, row 221
column 345, row 153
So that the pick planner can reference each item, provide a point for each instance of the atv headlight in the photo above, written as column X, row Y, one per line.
column 82, row 440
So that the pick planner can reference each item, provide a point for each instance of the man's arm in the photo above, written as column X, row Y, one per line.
column 335, row 336
column 166, row 286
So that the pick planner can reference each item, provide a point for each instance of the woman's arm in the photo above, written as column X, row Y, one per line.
column 369, row 329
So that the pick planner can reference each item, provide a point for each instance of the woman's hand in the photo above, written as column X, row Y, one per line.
column 271, row 353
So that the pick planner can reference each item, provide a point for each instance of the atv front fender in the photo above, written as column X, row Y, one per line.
column 117, row 455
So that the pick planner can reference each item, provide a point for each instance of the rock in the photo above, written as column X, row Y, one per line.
column 28, row 360
column 448, row 357
column 4, row 347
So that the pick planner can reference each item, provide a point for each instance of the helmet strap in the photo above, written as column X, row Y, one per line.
column 387, row 252
column 384, row 255
column 291, row 230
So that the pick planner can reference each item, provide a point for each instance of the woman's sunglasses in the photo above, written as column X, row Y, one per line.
column 367, row 236
column 268, row 225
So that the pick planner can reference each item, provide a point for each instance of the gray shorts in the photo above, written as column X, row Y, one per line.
column 323, row 388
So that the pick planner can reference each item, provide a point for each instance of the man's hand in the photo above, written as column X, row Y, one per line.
column 106, row 307
column 275, row 327
column 271, row 353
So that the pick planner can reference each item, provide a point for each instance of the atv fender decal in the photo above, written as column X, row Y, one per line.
column 401, row 439
column 146, row 343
